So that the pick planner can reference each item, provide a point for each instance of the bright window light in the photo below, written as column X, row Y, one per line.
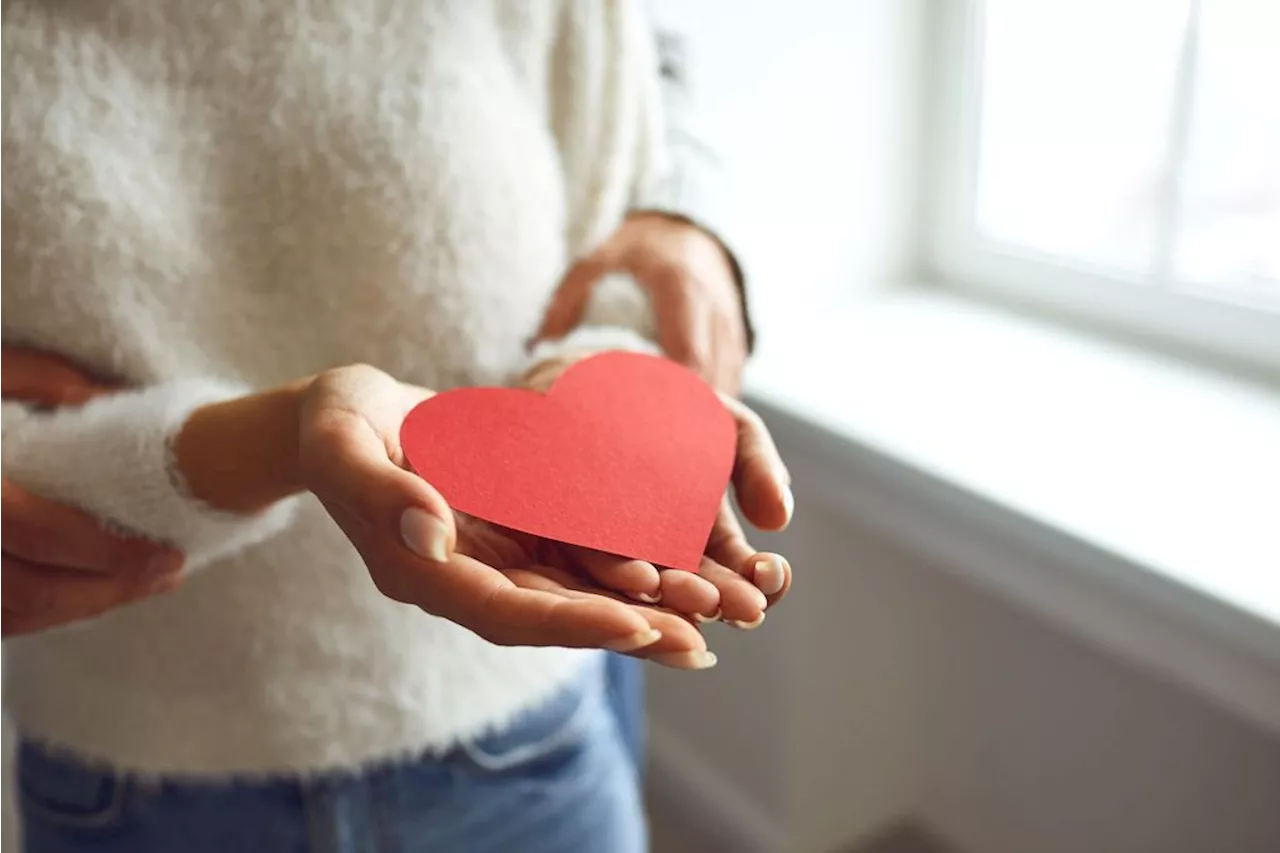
column 1098, row 145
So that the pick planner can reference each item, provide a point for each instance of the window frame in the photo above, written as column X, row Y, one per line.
column 1200, row 322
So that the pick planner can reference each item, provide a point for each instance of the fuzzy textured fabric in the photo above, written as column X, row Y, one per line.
column 204, row 198
column 113, row 456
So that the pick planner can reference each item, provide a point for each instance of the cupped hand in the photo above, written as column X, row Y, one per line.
column 510, row 588
column 59, row 564
column 691, row 283
column 734, row 582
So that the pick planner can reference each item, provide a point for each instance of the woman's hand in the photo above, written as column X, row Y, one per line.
column 691, row 284
column 61, row 565
column 337, row 435
column 508, row 587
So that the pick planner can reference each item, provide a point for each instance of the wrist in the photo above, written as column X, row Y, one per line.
column 241, row 455
column 540, row 376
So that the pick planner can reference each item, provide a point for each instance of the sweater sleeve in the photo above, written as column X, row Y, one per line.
column 113, row 458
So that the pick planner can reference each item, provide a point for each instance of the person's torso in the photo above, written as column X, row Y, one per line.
column 268, row 189
column 256, row 191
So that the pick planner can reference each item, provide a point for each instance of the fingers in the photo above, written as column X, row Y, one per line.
column 514, row 615
column 569, row 302
column 731, row 354
column 761, row 482
column 637, row 579
column 727, row 544
column 692, row 594
column 40, row 597
column 726, row 565
column 492, row 545
column 490, row 603
column 748, row 581
column 40, row 531
column 348, row 468
column 681, row 645
column 588, row 611
column 486, row 601
column 684, row 321
column 769, row 573
column 44, row 379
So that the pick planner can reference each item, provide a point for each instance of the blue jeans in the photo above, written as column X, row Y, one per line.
column 560, row 779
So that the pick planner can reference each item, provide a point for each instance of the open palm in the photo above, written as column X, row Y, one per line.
column 513, row 588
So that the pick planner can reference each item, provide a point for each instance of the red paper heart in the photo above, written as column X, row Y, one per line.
column 627, row 453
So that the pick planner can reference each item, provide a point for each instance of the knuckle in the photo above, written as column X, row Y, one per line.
column 335, row 433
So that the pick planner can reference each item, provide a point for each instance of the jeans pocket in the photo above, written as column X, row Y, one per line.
column 542, row 738
column 59, row 790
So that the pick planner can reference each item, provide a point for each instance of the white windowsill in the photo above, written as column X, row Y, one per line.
column 1131, row 499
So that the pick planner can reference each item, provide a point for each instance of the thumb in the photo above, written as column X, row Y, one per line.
column 44, row 379
column 346, row 466
column 569, row 302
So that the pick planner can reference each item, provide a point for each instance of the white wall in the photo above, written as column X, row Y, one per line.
column 885, row 687
column 805, row 721
column 812, row 105
column 1032, row 740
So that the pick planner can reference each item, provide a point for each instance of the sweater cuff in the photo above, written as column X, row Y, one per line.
column 586, row 340
column 113, row 458
column 618, row 316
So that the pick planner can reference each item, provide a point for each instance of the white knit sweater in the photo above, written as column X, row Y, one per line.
column 206, row 198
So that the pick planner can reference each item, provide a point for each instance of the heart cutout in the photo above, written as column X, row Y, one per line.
column 627, row 453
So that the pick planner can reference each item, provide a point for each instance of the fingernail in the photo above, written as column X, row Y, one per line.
column 646, row 597
column 685, row 660
column 770, row 575
column 165, row 563
column 788, row 504
column 747, row 626
column 425, row 535
column 700, row 619
column 638, row 640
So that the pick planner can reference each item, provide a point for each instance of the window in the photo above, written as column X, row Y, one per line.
column 1115, row 160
